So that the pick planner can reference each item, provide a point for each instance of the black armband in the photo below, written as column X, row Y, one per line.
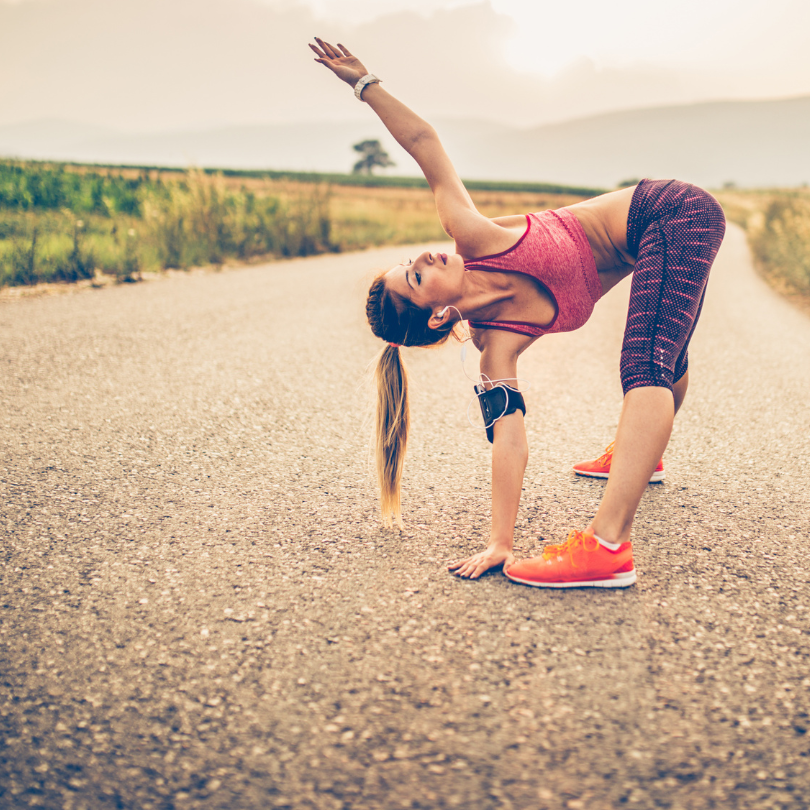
column 499, row 401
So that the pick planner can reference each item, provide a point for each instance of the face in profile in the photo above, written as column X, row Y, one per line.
column 429, row 281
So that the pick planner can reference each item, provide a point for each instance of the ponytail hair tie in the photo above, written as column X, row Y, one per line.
column 395, row 345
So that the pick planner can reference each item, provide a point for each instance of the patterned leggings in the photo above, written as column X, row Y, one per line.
column 674, row 230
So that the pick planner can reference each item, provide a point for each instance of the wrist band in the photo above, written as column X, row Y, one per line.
column 369, row 78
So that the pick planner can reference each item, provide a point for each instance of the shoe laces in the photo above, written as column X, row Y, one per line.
column 606, row 456
column 575, row 540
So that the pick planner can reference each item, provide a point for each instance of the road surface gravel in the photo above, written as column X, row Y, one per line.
column 201, row 610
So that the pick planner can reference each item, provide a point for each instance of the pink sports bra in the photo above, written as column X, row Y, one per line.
column 554, row 250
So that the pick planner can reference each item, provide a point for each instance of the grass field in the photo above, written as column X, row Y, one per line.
column 66, row 223
column 778, row 226
column 69, row 223
column 378, row 216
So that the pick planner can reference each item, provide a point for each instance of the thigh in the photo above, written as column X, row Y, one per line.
column 682, row 363
column 675, row 254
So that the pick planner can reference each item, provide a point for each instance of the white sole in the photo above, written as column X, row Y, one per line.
column 617, row 581
column 657, row 476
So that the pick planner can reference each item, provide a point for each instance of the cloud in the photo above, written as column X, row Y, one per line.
column 146, row 65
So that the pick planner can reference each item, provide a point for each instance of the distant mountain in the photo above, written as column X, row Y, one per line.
column 750, row 143
column 324, row 146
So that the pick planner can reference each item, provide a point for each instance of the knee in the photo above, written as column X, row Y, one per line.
column 679, row 390
column 645, row 375
column 681, row 368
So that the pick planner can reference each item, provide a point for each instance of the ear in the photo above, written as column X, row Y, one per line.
column 440, row 319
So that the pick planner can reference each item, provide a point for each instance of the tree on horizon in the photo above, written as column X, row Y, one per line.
column 373, row 155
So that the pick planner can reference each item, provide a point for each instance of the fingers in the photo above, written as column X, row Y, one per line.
column 346, row 51
column 330, row 50
column 463, row 564
column 468, row 568
column 484, row 566
column 324, row 53
column 462, row 567
column 473, row 567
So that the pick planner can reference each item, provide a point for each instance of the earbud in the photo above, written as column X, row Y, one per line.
column 439, row 314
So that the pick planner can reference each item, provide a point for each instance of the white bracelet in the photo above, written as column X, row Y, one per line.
column 369, row 78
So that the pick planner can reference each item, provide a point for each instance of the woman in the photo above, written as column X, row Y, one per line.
column 516, row 278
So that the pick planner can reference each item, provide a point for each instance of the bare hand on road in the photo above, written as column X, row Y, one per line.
column 493, row 556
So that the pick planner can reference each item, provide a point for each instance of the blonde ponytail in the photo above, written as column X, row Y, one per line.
column 392, row 431
column 398, row 322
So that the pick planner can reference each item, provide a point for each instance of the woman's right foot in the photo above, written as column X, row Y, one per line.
column 582, row 561
column 600, row 467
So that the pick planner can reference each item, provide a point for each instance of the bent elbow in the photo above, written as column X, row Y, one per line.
column 424, row 135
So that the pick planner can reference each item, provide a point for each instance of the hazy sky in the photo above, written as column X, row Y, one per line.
column 167, row 64
column 547, row 36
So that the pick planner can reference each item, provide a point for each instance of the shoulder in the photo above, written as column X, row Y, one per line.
column 488, row 237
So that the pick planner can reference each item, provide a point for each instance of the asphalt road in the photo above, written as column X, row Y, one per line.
column 199, row 608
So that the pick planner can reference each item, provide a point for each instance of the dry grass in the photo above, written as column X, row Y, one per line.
column 362, row 216
column 183, row 219
column 778, row 228
column 354, row 217
column 376, row 216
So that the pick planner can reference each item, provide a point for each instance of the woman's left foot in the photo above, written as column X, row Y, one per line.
column 582, row 561
column 600, row 467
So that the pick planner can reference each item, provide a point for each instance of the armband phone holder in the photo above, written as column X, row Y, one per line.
column 497, row 402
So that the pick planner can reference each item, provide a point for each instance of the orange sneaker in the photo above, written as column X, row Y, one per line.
column 582, row 561
column 600, row 468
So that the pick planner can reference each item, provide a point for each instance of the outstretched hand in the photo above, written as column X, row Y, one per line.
column 493, row 556
column 342, row 63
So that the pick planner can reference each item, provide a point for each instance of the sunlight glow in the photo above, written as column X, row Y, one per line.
column 551, row 36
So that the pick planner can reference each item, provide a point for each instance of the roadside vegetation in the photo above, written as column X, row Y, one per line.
column 778, row 227
column 67, row 223
column 60, row 224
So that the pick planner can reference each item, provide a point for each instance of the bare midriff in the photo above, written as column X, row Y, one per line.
column 604, row 220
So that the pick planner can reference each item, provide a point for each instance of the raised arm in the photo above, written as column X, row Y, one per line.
column 471, row 230
column 510, row 452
